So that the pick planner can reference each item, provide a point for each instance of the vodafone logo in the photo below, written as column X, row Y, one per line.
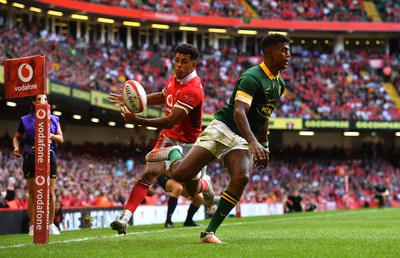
column 169, row 101
column 41, row 114
column 22, row 71
column 40, row 180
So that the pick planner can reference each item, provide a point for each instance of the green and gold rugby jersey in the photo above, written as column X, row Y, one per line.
column 261, row 90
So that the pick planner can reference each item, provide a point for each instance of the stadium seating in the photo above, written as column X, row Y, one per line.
column 89, row 177
column 334, row 10
column 327, row 86
column 320, row 85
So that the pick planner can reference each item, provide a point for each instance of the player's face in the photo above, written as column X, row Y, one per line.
column 281, row 55
column 183, row 65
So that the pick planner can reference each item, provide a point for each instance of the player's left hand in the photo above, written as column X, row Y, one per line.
column 261, row 163
column 260, row 154
column 128, row 115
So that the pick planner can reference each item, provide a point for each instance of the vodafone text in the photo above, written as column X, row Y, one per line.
column 41, row 219
column 26, row 87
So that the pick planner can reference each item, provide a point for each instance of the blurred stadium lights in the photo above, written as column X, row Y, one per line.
column 112, row 123
column 131, row 23
column 306, row 133
column 150, row 128
column 188, row 28
column 351, row 134
column 80, row 17
column 217, row 30
column 247, row 32
column 18, row 5
column 160, row 26
column 54, row 13
column 61, row 24
column 95, row 120
column 105, row 20
column 397, row 134
column 11, row 104
column 77, row 117
column 3, row 1
column 57, row 113
column 35, row 9
column 129, row 126
column 278, row 32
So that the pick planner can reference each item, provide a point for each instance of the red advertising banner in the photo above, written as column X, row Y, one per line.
column 42, row 174
column 139, row 15
column 24, row 77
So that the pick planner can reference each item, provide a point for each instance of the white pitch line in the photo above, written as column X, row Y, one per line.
column 164, row 230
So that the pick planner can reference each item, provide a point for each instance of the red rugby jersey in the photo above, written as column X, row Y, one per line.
column 187, row 94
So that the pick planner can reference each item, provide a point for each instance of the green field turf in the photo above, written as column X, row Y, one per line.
column 348, row 233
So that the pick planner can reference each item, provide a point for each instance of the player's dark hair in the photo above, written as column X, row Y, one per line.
column 273, row 39
column 188, row 49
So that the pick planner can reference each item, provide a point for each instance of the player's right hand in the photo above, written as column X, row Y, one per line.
column 16, row 153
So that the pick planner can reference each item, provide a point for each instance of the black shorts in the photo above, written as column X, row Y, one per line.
column 162, row 181
column 28, row 166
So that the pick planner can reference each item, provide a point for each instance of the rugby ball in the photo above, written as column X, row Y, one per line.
column 135, row 98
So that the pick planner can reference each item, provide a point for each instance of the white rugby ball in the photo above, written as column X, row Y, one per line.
column 134, row 96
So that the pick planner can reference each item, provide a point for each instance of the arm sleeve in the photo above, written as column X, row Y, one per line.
column 189, row 98
column 21, row 128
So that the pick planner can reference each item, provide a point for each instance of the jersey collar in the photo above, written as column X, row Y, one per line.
column 267, row 72
column 187, row 78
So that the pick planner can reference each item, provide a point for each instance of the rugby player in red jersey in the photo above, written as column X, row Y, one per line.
column 183, row 97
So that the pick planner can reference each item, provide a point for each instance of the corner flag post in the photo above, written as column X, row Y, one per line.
column 26, row 77
column 42, row 174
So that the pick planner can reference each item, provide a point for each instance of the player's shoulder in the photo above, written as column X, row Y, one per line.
column 195, row 82
column 54, row 117
column 26, row 116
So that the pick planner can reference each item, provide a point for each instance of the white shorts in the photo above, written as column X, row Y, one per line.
column 219, row 139
column 186, row 147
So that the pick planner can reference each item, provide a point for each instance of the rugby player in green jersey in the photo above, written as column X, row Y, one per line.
column 239, row 133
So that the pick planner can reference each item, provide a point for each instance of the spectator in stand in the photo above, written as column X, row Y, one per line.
column 27, row 127
column 59, row 216
column 294, row 202
column 381, row 195
column 314, row 177
column 3, row 203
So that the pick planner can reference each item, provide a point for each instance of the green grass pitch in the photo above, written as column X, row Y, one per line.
column 346, row 233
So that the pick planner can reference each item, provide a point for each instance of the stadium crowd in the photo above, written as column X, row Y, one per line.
column 219, row 8
column 320, row 85
column 309, row 10
column 96, row 174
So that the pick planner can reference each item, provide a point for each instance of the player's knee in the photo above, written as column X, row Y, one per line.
column 149, row 176
column 176, row 192
column 241, row 178
column 52, row 195
column 152, row 171
column 177, row 189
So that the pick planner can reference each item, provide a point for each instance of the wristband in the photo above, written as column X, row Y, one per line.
column 265, row 145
